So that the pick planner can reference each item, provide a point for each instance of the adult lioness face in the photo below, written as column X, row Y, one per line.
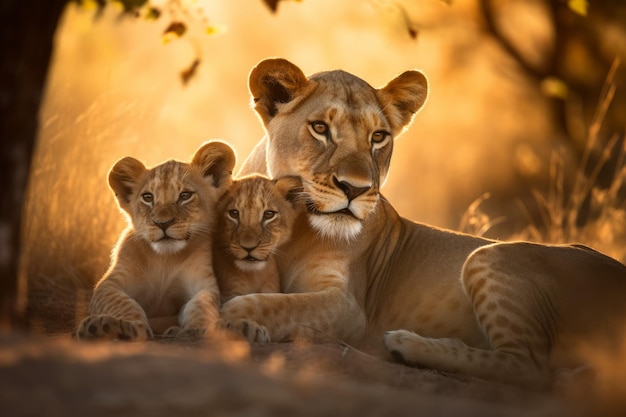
column 336, row 132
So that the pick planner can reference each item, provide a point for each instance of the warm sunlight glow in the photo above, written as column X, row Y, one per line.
column 117, row 89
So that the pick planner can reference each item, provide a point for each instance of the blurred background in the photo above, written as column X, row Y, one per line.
column 522, row 135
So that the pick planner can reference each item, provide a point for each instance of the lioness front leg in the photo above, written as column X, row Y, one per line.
column 251, row 330
column 314, row 315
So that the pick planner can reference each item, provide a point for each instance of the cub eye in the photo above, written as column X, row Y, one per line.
column 379, row 136
column 184, row 196
column 320, row 128
column 147, row 197
column 269, row 214
column 233, row 214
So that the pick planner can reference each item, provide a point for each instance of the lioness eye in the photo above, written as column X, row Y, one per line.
column 269, row 214
column 184, row 196
column 234, row 214
column 320, row 127
column 147, row 197
column 379, row 136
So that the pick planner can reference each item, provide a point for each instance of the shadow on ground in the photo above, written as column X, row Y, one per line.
column 59, row 376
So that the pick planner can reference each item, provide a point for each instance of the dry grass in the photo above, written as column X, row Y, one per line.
column 591, row 210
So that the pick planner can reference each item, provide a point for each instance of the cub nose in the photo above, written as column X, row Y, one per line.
column 351, row 191
column 163, row 225
column 249, row 248
column 249, row 240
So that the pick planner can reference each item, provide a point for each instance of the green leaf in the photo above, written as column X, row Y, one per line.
column 554, row 87
column 215, row 29
column 578, row 6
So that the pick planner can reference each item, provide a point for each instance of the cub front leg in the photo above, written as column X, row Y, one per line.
column 281, row 317
column 114, row 315
column 198, row 316
column 107, row 327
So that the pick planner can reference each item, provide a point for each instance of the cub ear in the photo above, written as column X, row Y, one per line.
column 290, row 187
column 215, row 159
column 402, row 97
column 123, row 179
column 274, row 81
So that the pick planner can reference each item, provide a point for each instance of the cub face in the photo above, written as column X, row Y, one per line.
column 173, row 202
column 336, row 132
column 256, row 216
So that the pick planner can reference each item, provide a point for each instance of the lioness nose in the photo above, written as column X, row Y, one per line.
column 351, row 191
column 164, row 225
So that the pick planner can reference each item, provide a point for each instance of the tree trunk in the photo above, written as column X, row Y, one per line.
column 26, row 37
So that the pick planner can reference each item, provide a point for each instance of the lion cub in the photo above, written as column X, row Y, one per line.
column 161, row 265
column 255, row 216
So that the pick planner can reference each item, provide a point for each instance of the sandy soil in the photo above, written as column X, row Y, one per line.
column 59, row 376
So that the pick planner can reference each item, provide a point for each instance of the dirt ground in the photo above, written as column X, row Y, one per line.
column 59, row 376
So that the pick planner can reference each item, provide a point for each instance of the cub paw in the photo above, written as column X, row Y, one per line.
column 110, row 328
column 172, row 332
column 182, row 333
column 193, row 333
column 251, row 330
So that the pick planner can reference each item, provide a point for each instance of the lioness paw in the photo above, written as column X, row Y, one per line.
column 110, row 328
column 398, row 343
column 415, row 350
column 251, row 330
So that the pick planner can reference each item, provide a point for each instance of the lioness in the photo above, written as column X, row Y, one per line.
column 359, row 272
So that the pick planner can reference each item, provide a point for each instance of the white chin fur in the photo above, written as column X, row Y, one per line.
column 164, row 247
column 338, row 226
column 250, row 265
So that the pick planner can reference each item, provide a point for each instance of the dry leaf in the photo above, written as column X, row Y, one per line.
column 188, row 73
column 272, row 4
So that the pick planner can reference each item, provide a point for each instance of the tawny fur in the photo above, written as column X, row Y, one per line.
column 430, row 297
column 161, row 266
column 255, row 218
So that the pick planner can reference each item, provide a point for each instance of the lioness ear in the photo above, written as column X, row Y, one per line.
column 215, row 159
column 123, row 178
column 402, row 97
column 290, row 187
column 274, row 81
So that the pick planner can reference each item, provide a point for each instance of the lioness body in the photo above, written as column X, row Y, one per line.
column 161, row 266
column 361, row 273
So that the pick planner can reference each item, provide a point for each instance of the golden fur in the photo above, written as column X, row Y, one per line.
column 361, row 273
column 161, row 265
column 255, row 217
